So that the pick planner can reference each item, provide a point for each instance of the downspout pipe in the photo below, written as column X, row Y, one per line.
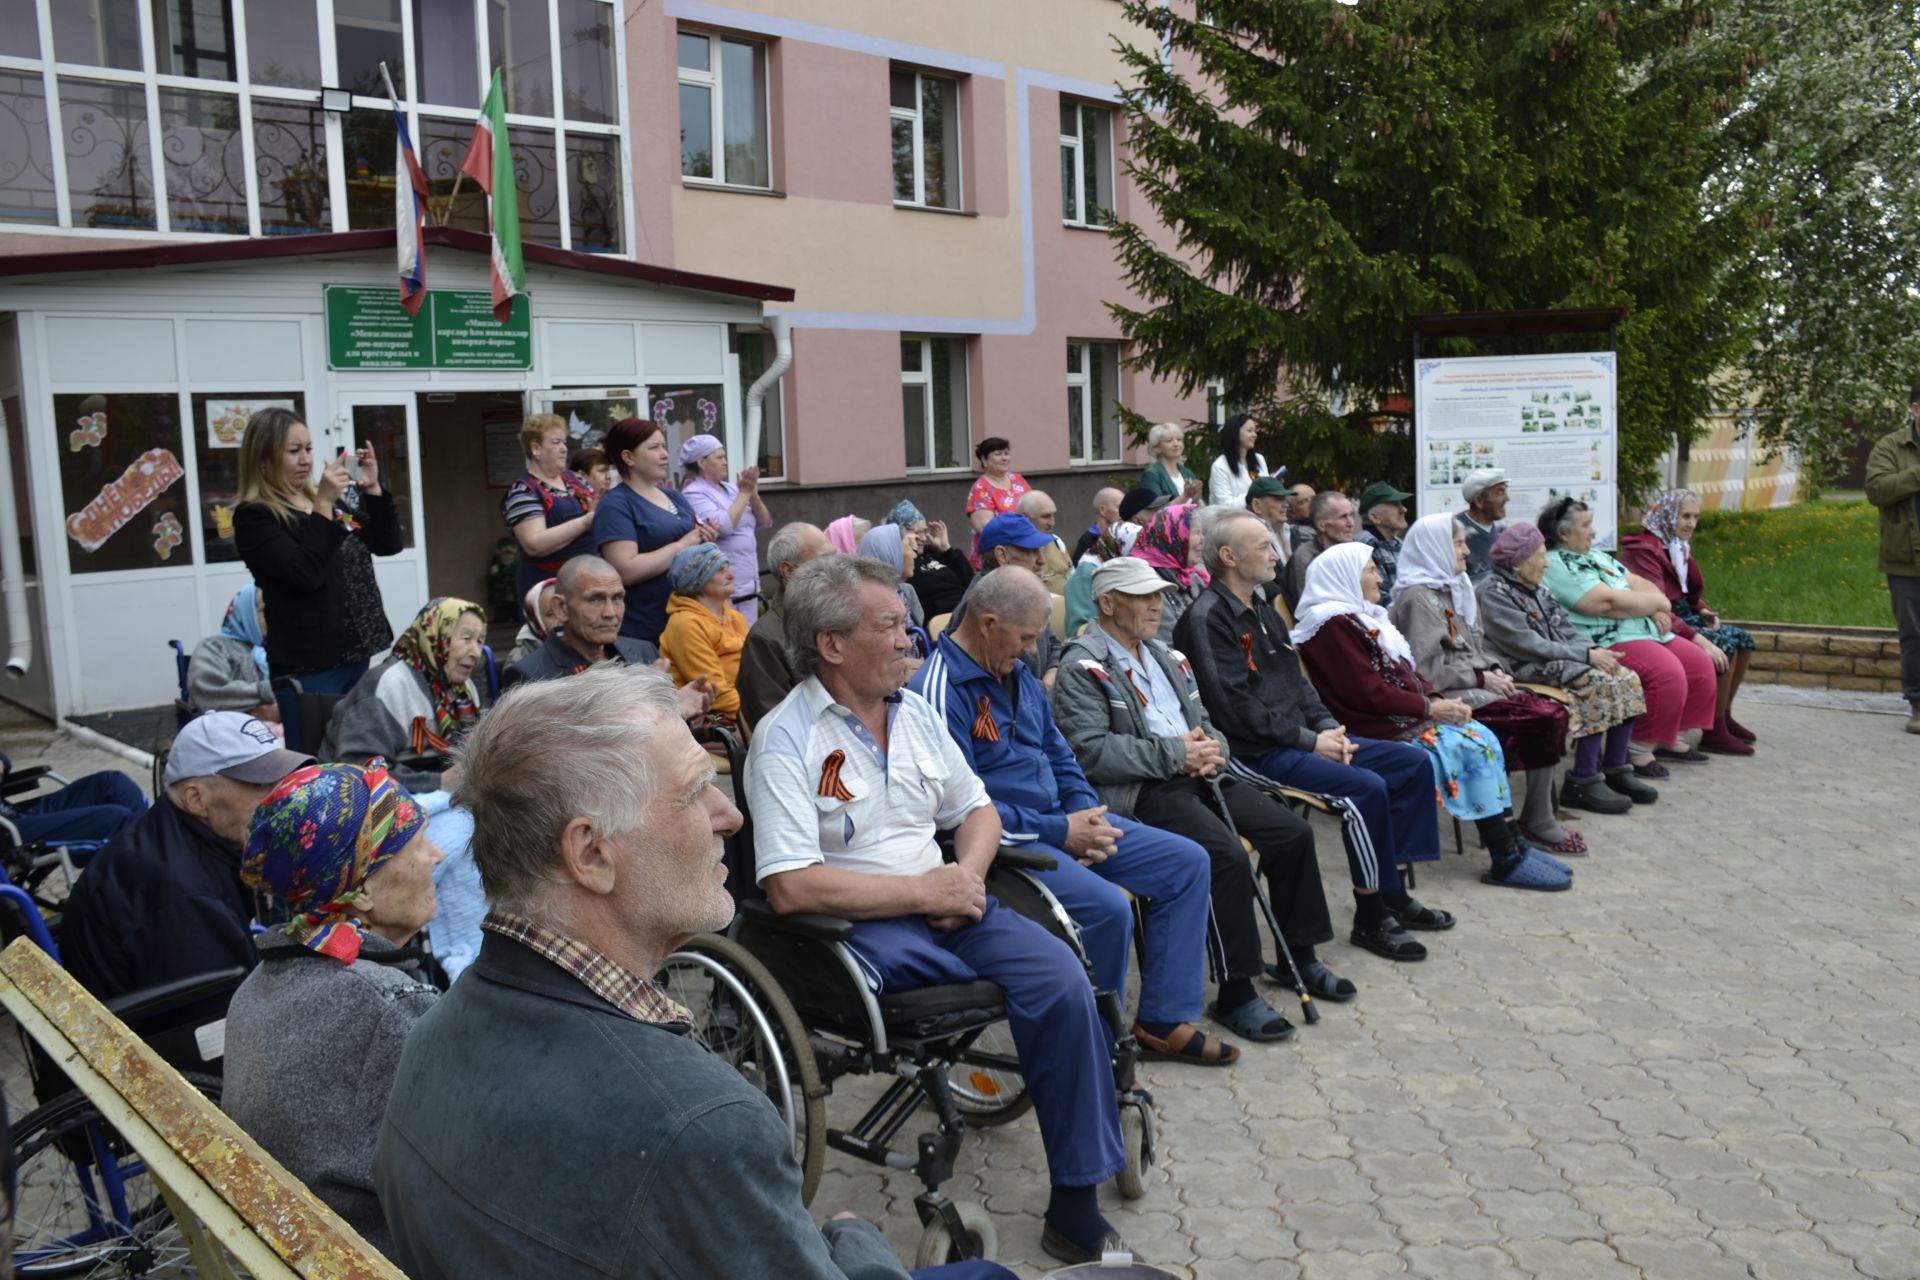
column 757, row 393
column 13, row 583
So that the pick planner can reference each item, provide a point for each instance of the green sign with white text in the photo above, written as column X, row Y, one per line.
column 369, row 329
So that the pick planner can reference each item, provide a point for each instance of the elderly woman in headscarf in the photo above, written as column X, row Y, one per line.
column 896, row 548
column 1663, row 555
column 705, row 633
column 315, row 1032
column 941, row 572
column 1172, row 545
column 1622, row 611
column 1363, row 669
column 1434, row 607
column 542, row 612
column 846, row 532
column 415, row 707
column 228, row 670
column 735, row 509
column 1525, row 627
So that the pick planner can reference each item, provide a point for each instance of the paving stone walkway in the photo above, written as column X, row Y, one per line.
column 1699, row 1063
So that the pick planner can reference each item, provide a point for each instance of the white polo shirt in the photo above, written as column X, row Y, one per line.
column 822, row 791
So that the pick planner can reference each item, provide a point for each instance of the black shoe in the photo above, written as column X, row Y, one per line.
column 1596, row 795
column 1627, row 784
column 1322, row 982
column 1689, row 756
column 1386, row 938
column 1414, row 914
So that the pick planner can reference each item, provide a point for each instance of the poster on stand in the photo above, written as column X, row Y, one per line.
column 1550, row 422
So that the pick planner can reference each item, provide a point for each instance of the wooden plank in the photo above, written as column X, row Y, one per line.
column 257, row 1210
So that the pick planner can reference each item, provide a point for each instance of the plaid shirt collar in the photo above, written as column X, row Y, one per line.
column 631, row 994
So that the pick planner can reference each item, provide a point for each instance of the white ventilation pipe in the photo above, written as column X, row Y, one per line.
column 757, row 393
column 13, row 583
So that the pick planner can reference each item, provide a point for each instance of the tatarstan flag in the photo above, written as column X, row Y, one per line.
column 487, row 155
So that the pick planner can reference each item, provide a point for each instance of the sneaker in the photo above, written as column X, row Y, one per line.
column 1627, row 782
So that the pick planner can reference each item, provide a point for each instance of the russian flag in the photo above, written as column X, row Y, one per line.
column 409, row 218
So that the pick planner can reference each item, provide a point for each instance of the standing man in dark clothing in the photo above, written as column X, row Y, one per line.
column 1893, row 485
column 1277, row 728
column 164, row 900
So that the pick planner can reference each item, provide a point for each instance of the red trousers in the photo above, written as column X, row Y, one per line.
column 1680, row 684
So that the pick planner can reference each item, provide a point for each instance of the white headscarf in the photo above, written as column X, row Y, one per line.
column 1426, row 560
column 1125, row 533
column 1333, row 589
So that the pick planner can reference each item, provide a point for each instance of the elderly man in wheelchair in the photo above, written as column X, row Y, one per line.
column 849, row 779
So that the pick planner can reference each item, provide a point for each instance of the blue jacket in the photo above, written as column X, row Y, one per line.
column 1010, row 740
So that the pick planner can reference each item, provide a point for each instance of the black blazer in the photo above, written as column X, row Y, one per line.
column 298, row 565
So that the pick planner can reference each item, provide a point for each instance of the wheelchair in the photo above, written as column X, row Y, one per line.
column 29, row 865
column 84, row 1205
column 786, row 1001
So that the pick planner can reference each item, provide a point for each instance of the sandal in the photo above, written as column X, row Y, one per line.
column 1322, row 982
column 1254, row 1020
column 1186, row 1043
column 1572, row 847
column 1417, row 915
column 1533, row 871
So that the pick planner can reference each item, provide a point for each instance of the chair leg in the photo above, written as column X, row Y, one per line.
column 1406, row 876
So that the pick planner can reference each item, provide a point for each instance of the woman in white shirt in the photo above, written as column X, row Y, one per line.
column 1238, row 466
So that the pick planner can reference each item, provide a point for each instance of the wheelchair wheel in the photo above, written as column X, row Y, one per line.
column 986, row 1088
column 937, row 1245
column 741, row 1014
column 85, row 1205
column 1136, row 1134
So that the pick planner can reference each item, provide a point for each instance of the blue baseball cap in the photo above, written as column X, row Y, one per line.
column 1012, row 531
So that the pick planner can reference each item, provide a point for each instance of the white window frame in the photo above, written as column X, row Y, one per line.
column 917, row 118
column 1080, row 386
column 713, row 81
column 923, row 379
column 1076, row 143
column 556, row 129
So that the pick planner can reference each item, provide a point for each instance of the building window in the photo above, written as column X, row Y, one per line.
column 756, row 353
column 933, row 394
column 1093, row 401
column 926, row 140
column 1086, row 164
column 724, row 125
column 158, row 140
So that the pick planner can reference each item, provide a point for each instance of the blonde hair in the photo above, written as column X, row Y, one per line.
column 261, row 446
column 535, row 429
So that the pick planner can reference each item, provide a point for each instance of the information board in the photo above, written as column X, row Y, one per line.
column 367, row 328
column 1550, row 422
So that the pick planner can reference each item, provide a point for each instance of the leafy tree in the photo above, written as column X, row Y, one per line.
column 1326, row 171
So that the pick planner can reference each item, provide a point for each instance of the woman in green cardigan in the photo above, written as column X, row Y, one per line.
column 1167, row 474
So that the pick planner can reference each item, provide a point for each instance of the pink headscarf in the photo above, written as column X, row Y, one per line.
column 1164, row 543
column 840, row 534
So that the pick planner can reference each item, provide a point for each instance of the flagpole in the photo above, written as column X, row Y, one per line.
column 394, row 97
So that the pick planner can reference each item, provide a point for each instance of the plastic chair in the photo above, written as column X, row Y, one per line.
column 493, row 674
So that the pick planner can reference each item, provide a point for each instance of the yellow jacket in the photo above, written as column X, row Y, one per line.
column 698, row 644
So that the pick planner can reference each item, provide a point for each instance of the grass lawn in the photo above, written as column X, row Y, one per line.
column 1813, row 563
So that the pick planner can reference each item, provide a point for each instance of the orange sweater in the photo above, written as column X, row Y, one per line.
column 698, row 644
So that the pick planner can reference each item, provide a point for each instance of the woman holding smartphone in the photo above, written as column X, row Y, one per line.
column 308, row 532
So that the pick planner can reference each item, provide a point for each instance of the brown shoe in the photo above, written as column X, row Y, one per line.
column 1180, row 1046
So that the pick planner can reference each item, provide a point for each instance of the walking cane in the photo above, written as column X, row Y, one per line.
column 1308, row 1012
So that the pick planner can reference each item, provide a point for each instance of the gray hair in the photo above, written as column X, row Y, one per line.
column 784, row 546
column 567, row 581
column 1223, row 528
column 548, row 753
column 1164, row 432
column 1031, row 499
column 1321, row 501
column 1556, row 521
column 1009, row 592
column 823, row 598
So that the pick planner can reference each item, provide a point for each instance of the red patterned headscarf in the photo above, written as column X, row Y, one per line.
column 1165, row 541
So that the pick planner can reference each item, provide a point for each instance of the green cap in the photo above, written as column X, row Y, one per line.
column 1267, row 487
column 1378, row 492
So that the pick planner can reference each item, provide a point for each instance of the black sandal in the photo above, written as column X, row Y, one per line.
column 1417, row 915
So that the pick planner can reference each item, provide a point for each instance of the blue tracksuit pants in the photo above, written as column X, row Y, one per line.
column 1065, row 1049
column 1173, row 876
column 91, row 809
column 1386, row 800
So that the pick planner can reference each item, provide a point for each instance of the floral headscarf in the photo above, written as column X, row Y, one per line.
column 905, row 514
column 423, row 646
column 1164, row 542
column 242, row 623
column 1333, row 590
column 1661, row 521
column 317, row 837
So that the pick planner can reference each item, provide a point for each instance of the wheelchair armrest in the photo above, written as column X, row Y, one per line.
column 20, row 781
column 1025, row 859
column 149, row 1002
column 822, row 928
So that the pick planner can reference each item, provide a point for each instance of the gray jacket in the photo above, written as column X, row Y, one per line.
column 363, row 726
column 312, row 1046
column 1451, row 657
column 661, row 1160
column 1103, row 723
column 1529, row 631
column 222, row 677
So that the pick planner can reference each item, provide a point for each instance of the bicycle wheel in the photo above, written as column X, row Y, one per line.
column 85, row 1205
column 741, row 1014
